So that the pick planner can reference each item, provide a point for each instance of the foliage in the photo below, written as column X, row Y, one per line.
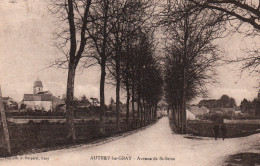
column 71, row 40
column 250, row 107
column 233, row 130
column 239, row 14
column 223, row 102
column 190, row 54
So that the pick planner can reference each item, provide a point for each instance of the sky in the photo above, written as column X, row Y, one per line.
column 26, row 49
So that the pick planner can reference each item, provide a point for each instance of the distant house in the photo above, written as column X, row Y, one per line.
column 7, row 100
column 38, row 101
column 190, row 115
column 83, row 105
column 199, row 112
column 225, row 112
column 205, row 110
column 135, row 105
column 9, row 103
column 123, row 108
column 57, row 101
column 41, row 100
column 231, row 110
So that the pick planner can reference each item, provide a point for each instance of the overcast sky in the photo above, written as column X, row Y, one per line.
column 26, row 31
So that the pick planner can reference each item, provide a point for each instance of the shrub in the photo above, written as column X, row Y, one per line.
column 82, row 121
column 46, row 122
column 57, row 123
column 31, row 122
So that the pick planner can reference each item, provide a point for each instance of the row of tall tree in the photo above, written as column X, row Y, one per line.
column 251, row 107
column 116, row 35
column 112, row 34
column 191, row 26
column 139, row 74
column 190, row 54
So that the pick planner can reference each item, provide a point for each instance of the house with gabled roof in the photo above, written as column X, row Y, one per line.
column 9, row 103
column 199, row 112
column 38, row 101
column 190, row 115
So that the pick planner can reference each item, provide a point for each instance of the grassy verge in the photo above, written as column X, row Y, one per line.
column 206, row 129
column 32, row 138
column 233, row 130
column 243, row 159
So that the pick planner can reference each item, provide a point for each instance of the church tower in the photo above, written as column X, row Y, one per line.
column 37, row 87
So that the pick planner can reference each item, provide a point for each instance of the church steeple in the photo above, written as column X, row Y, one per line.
column 37, row 87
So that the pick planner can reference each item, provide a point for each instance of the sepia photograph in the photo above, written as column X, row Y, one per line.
column 129, row 82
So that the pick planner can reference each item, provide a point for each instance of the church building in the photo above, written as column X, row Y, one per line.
column 40, row 100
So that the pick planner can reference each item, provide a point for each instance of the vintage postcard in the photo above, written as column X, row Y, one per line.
column 129, row 82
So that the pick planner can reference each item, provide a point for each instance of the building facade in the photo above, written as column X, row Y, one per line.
column 40, row 100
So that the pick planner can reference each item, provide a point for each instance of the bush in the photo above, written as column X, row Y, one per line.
column 57, row 123
column 45, row 122
column 82, row 121
column 31, row 123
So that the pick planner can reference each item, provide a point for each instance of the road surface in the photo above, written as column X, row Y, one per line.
column 156, row 145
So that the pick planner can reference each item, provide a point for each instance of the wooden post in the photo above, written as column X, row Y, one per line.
column 4, row 122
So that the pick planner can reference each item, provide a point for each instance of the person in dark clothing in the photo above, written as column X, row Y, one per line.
column 223, row 131
column 216, row 131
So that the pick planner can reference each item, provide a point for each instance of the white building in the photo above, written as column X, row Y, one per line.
column 190, row 115
column 199, row 112
column 40, row 100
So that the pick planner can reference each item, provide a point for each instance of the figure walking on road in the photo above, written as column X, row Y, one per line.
column 223, row 131
column 216, row 131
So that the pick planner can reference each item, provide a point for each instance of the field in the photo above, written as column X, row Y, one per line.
column 233, row 130
column 32, row 137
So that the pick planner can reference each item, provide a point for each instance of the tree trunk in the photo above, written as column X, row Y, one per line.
column 152, row 112
column 155, row 111
column 117, row 104
column 117, row 91
column 103, row 69
column 175, row 115
column 138, row 113
column 144, row 107
column 127, row 83
column 4, row 123
column 179, row 117
column 141, row 111
column 133, row 104
column 184, row 121
column 139, row 104
column 149, row 112
column 118, row 49
column 102, row 96
column 127, row 104
column 184, row 63
column 127, row 93
column 69, row 101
